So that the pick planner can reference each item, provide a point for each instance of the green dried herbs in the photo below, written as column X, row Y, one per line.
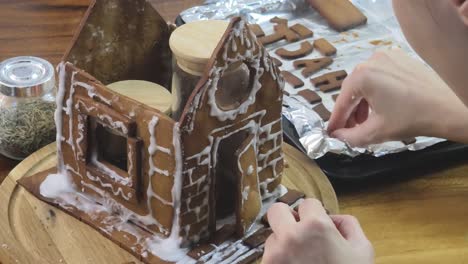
column 26, row 127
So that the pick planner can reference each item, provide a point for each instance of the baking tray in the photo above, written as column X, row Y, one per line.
column 343, row 169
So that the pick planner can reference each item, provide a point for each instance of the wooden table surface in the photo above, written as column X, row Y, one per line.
column 422, row 218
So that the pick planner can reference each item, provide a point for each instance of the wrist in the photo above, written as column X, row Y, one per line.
column 453, row 123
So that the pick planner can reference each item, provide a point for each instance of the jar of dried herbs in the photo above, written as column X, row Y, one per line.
column 27, row 106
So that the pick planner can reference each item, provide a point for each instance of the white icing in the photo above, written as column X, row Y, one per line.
column 118, row 192
column 69, row 112
column 55, row 185
column 268, row 153
column 111, row 173
column 88, row 109
column 114, row 124
column 92, row 92
column 234, row 46
column 250, row 170
column 80, row 137
column 58, row 115
column 205, row 151
column 130, row 154
column 245, row 193
column 153, row 147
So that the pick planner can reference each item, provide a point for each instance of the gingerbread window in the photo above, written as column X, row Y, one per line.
column 113, row 152
column 235, row 86
column 111, row 148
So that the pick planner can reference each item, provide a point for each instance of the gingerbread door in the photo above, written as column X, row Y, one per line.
column 249, row 200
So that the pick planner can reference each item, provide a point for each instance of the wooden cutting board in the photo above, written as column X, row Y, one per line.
column 32, row 231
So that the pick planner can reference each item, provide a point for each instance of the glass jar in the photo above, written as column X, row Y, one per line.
column 183, row 83
column 27, row 106
column 193, row 45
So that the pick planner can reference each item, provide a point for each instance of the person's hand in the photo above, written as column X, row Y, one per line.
column 462, row 9
column 395, row 97
column 313, row 237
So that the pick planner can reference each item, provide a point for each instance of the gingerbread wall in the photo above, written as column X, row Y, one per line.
column 123, row 40
column 204, row 124
column 147, row 190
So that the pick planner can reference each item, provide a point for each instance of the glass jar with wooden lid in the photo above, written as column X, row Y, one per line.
column 193, row 45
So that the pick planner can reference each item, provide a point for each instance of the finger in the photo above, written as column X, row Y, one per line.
column 457, row 3
column 464, row 12
column 346, row 103
column 349, row 228
column 344, row 107
column 271, row 241
column 361, row 135
column 280, row 218
column 270, row 249
column 362, row 112
column 311, row 208
column 351, row 121
column 359, row 115
column 295, row 214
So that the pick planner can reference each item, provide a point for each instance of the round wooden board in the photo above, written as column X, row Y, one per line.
column 32, row 231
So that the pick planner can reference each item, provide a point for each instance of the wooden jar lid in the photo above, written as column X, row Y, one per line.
column 148, row 93
column 194, row 43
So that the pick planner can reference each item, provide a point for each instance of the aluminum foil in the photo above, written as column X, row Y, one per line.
column 381, row 32
column 255, row 11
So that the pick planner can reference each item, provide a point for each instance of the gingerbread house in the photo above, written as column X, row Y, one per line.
column 179, row 179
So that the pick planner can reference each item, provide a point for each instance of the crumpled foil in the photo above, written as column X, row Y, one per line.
column 354, row 46
column 252, row 10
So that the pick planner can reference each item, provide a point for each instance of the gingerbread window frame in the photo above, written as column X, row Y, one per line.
column 105, row 173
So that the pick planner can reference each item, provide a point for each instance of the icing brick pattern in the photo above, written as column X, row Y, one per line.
column 270, row 157
column 205, row 127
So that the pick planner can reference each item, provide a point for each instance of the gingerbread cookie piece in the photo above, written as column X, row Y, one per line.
column 312, row 66
column 291, row 197
column 334, row 97
column 310, row 96
column 323, row 112
column 292, row 79
column 302, row 31
column 296, row 209
column 409, row 141
column 264, row 220
column 341, row 15
column 251, row 258
column 201, row 250
column 281, row 32
column 324, row 47
column 279, row 21
column 330, row 81
column 305, row 49
column 223, row 234
column 258, row 238
column 257, row 30
column 277, row 62
column 287, row 34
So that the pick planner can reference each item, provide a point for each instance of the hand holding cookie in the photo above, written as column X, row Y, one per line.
column 392, row 97
column 314, row 237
